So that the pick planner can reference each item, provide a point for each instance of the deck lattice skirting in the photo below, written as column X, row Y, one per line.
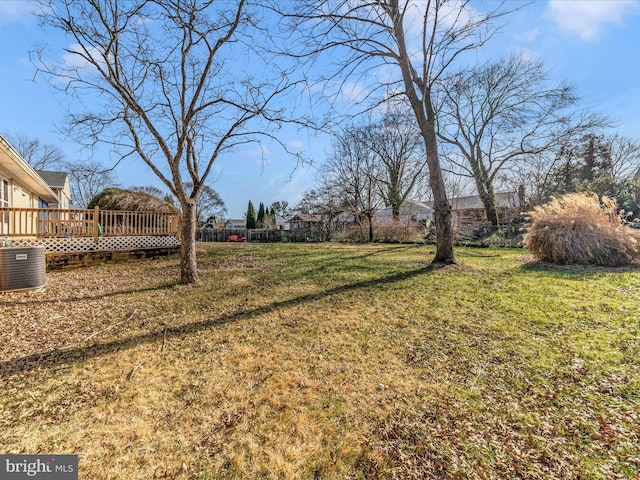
column 87, row 244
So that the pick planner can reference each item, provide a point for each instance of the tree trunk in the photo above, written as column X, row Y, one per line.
column 395, row 212
column 426, row 117
column 488, row 199
column 444, row 230
column 370, row 217
column 441, row 206
column 484, row 185
column 188, row 262
column 395, row 198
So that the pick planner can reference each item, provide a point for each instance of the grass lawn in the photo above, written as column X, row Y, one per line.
column 327, row 361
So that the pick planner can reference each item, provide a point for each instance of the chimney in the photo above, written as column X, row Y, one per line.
column 521, row 198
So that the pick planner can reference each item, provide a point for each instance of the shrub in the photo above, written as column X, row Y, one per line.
column 583, row 230
column 407, row 233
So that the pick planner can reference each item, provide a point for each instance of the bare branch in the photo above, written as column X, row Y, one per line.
column 167, row 80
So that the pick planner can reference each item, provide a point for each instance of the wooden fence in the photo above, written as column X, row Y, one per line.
column 259, row 235
column 69, row 223
column 250, row 235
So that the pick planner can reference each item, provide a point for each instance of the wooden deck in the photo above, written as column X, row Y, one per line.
column 48, row 222
column 77, row 231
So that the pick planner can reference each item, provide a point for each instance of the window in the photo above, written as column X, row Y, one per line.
column 4, row 194
column 4, row 202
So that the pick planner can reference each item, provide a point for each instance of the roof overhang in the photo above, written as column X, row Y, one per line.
column 18, row 168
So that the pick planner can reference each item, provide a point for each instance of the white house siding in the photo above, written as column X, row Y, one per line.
column 410, row 211
column 21, row 198
column 25, row 187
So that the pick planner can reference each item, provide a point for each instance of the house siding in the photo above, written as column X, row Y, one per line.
column 21, row 198
column 26, row 183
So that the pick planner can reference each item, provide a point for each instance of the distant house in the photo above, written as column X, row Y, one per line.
column 411, row 211
column 470, row 209
column 235, row 223
column 344, row 219
column 59, row 183
column 305, row 222
column 282, row 223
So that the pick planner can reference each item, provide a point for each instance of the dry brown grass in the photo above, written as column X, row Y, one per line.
column 583, row 230
column 326, row 361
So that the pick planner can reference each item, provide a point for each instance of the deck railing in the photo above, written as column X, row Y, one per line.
column 49, row 222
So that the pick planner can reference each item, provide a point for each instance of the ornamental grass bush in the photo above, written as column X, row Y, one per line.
column 583, row 230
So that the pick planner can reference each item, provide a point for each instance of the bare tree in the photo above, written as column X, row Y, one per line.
column 351, row 170
column 209, row 204
column 154, row 191
column 502, row 112
column 170, row 82
column 325, row 201
column 41, row 156
column 621, row 156
column 86, row 180
column 416, row 43
column 399, row 152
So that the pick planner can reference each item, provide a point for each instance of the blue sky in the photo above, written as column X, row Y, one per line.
column 592, row 44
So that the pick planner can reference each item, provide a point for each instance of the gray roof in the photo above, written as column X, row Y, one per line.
column 238, row 222
column 53, row 179
column 307, row 218
column 473, row 202
column 408, row 207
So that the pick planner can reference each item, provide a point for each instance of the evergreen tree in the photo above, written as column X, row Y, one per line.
column 260, row 217
column 281, row 208
column 605, row 165
column 269, row 218
column 251, row 215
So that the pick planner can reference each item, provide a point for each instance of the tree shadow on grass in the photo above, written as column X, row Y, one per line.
column 573, row 271
column 62, row 356
column 83, row 298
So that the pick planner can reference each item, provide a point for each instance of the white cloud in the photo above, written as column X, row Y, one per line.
column 529, row 36
column 588, row 18
column 454, row 13
column 353, row 92
column 261, row 154
column 529, row 55
column 15, row 10
column 295, row 186
column 75, row 61
column 296, row 145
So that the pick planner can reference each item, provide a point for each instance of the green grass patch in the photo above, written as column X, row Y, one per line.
column 328, row 361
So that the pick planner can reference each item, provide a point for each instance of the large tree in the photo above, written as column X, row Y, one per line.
column 494, row 115
column 351, row 170
column 281, row 208
column 176, row 83
column 250, row 216
column 399, row 154
column 604, row 164
column 400, row 48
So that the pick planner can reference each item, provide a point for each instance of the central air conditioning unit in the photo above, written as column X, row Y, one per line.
column 22, row 268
